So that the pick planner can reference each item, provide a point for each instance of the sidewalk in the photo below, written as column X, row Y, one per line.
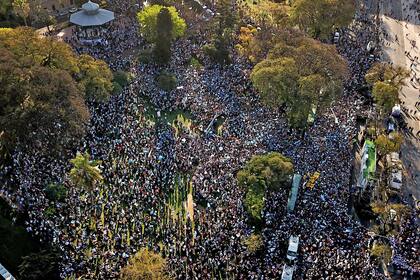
column 403, row 30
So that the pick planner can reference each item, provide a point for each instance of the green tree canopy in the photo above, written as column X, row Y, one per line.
column 254, row 200
column 122, row 78
column 276, row 80
column 319, row 18
column 147, row 19
column 22, row 9
column 388, row 144
column 300, row 75
column 381, row 252
column 386, row 80
column 385, row 95
column 43, row 86
column 386, row 73
column 224, row 23
column 56, row 192
column 266, row 13
column 164, row 26
column 388, row 220
column 37, row 99
column 273, row 169
column 95, row 77
column 166, row 81
column 5, row 9
column 85, row 172
column 145, row 265
column 254, row 243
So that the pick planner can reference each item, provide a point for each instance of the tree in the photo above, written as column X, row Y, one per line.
column 40, row 16
column 385, row 95
column 269, row 171
column 381, row 252
column 22, row 9
column 389, row 216
column 85, row 172
column 95, row 77
column 255, row 43
column 386, row 81
column 38, row 103
column 56, row 192
column 246, row 46
column 253, row 243
column 166, row 81
column 266, row 13
column 164, row 26
column 43, row 85
column 276, row 80
column 383, row 72
column 122, row 78
column 389, row 144
column 319, row 18
column 5, row 9
column 145, row 265
column 273, row 169
column 301, row 75
column 225, row 22
column 147, row 19
column 254, row 201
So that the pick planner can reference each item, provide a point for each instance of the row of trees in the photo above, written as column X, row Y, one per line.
column 43, row 89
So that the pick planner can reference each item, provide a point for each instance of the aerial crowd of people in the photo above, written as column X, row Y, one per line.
column 145, row 159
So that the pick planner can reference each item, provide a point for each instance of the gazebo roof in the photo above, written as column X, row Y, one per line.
column 91, row 15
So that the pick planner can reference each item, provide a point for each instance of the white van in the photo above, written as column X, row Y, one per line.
column 287, row 273
column 292, row 251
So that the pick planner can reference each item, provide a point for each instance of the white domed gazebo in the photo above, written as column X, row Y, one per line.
column 91, row 15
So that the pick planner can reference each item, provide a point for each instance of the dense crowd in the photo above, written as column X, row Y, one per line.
column 145, row 161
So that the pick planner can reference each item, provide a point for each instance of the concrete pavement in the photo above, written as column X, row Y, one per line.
column 401, row 47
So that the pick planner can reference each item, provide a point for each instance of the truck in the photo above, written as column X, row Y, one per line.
column 292, row 250
column 395, row 167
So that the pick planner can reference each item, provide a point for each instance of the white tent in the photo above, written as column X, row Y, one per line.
column 91, row 15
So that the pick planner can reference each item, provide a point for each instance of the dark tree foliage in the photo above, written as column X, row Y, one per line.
column 162, row 50
column 225, row 22
column 43, row 86
column 40, row 265
column 270, row 171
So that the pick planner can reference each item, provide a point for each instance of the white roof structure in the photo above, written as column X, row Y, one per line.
column 91, row 15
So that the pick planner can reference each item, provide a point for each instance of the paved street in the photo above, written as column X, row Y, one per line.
column 401, row 47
